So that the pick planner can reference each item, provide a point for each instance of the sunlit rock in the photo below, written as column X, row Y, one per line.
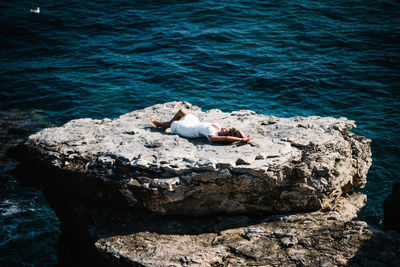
column 292, row 164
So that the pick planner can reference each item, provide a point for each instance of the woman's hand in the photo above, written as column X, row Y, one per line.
column 246, row 139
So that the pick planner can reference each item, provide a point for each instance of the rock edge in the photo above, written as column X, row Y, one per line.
column 292, row 164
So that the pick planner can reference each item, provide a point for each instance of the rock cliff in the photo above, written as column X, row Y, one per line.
column 319, row 238
column 128, row 194
column 292, row 164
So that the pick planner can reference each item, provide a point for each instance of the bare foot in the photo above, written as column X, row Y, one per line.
column 159, row 124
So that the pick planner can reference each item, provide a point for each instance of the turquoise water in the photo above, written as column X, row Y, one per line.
column 287, row 58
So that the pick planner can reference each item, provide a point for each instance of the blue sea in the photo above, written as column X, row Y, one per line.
column 105, row 58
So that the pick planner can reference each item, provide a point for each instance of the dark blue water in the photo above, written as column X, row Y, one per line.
column 283, row 58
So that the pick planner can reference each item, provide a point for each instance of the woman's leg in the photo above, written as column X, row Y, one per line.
column 179, row 115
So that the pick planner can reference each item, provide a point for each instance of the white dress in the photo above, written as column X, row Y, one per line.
column 190, row 127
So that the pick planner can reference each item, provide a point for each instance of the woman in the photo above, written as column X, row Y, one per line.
column 187, row 125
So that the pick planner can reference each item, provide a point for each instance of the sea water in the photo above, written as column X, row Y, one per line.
column 105, row 58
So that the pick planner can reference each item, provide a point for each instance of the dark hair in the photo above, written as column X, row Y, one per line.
column 233, row 132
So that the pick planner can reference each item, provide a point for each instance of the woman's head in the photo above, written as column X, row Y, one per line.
column 229, row 132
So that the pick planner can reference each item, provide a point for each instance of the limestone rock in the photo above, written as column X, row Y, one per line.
column 292, row 164
column 110, row 235
column 308, row 239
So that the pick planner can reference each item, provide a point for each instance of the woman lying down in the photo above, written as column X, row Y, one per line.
column 188, row 125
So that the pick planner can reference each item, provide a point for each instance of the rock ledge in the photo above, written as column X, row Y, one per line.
column 292, row 164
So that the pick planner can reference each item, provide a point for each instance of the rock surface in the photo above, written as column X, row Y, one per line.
column 108, row 235
column 292, row 164
column 128, row 194
column 307, row 239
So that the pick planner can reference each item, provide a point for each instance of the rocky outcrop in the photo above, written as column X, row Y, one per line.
column 128, row 194
column 292, row 164
column 108, row 235
column 305, row 239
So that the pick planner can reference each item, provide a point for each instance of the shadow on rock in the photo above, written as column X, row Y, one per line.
column 391, row 208
column 378, row 249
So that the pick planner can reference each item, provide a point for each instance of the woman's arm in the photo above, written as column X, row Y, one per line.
column 241, row 134
column 228, row 139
